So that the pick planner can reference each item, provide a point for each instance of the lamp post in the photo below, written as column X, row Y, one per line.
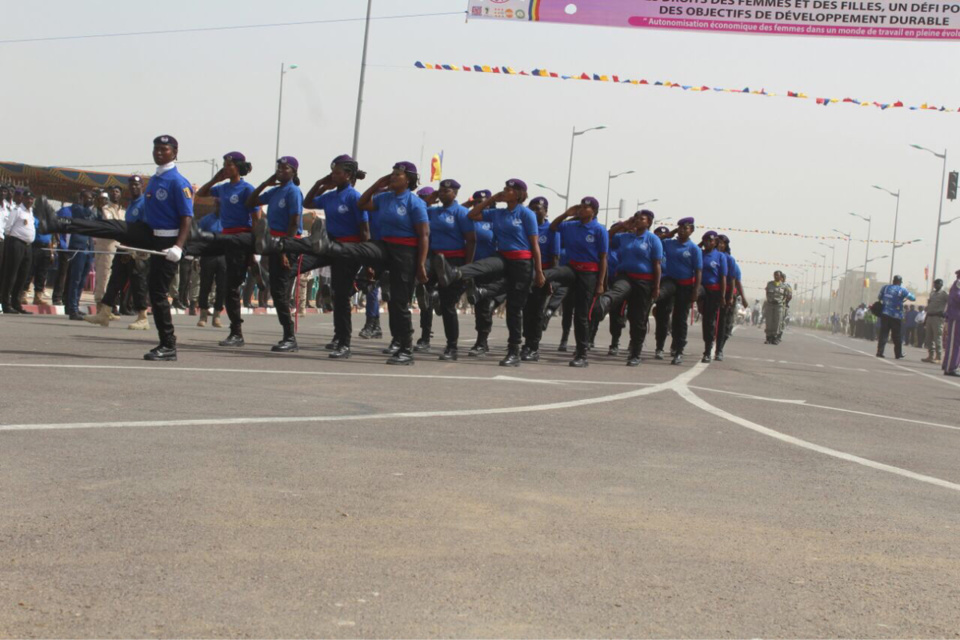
column 823, row 274
column 833, row 262
column 363, row 73
column 813, row 283
column 943, row 180
column 610, row 177
column 846, row 270
column 543, row 186
column 896, row 218
column 284, row 68
column 866, row 256
column 573, row 138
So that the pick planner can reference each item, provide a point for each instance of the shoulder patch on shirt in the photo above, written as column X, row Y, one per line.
column 188, row 193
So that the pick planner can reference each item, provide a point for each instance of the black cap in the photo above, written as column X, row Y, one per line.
column 170, row 140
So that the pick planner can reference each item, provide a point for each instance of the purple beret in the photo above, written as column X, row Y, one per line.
column 235, row 156
column 483, row 194
column 290, row 161
column 540, row 200
column 517, row 183
column 660, row 230
column 449, row 183
column 723, row 237
column 343, row 159
column 170, row 140
column 590, row 201
column 426, row 191
column 408, row 167
column 683, row 221
column 709, row 234
column 646, row 213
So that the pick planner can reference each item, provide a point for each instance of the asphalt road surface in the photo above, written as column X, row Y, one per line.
column 803, row 490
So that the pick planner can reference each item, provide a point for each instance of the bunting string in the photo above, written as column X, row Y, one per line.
column 701, row 88
column 769, row 232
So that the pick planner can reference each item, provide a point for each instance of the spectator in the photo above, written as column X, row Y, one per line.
column 933, row 326
column 19, row 232
column 892, row 297
column 909, row 324
column 81, row 260
column 951, row 345
column 108, row 208
column 918, row 334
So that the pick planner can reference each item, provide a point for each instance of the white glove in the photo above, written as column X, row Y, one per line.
column 174, row 253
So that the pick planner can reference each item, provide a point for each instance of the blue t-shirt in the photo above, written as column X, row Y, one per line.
column 42, row 239
column 80, row 242
column 613, row 263
column 512, row 229
column 397, row 214
column 447, row 226
column 714, row 267
column 683, row 259
column 283, row 203
column 733, row 269
column 637, row 253
column 892, row 297
column 234, row 212
column 211, row 223
column 168, row 198
column 486, row 242
column 549, row 243
column 585, row 242
column 134, row 212
column 63, row 238
column 343, row 215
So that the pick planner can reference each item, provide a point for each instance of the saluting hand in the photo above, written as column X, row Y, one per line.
column 499, row 197
column 271, row 181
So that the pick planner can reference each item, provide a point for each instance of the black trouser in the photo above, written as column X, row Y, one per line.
column 126, row 268
column 449, row 298
column 140, row 235
column 711, row 304
column 637, row 295
column 583, row 289
column 213, row 269
column 533, row 317
column 16, row 254
column 517, row 275
column 725, row 330
column 566, row 317
column 42, row 260
column 673, row 308
column 401, row 261
column 618, row 320
column 890, row 325
column 281, row 282
column 187, row 274
column 27, row 275
column 60, row 284
column 342, row 275
column 236, row 249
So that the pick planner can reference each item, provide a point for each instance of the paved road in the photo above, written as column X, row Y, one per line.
column 801, row 490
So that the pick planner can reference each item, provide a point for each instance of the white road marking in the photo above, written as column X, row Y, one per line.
column 892, row 363
column 166, row 369
column 682, row 380
column 804, row 403
column 696, row 401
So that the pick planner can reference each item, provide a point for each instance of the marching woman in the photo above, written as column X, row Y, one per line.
column 728, row 315
column 678, row 289
column 482, row 308
column 345, row 223
column 235, row 241
column 285, row 220
column 714, row 294
column 168, row 217
column 515, row 229
column 549, row 241
column 452, row 235
column 637, row 283
column 586, row 242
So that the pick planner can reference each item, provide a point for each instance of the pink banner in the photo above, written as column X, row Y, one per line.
column 934, row 20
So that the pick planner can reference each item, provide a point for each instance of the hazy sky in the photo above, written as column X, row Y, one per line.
column 730, row 160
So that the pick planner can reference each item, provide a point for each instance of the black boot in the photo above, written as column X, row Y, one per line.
column 450, row 353
column 365, row 331
column 162, row 353
column 512, row 358
column 706, row 357
column 403, row 357
column 677, row 358
column 334, row 344
column 633, row 359
column 423, row 344
column 392, row 348
column 524, row 352
column 375, row 331
column 264, row 243
column 446, row 273
column 533, row 354
column 614, row 349
column 423, row 299
column 342, row 352
column 480, row 348
column 287, row 345
column 658, row 354
column 719, row 356
column 579, row 359
column 235, row 339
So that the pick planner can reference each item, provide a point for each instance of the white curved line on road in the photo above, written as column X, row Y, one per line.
column 681, row 380
column 696, row 401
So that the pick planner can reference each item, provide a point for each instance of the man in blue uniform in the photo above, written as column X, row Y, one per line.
column 80, row 259
column 165, row 228
column 892, row 297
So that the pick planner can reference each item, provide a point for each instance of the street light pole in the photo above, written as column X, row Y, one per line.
column 943, row 181
column 279, row 112
column 896, row 218
column 866, row 257
column 363, row 73
column 573, row 138
column 833, row 262
column 846, row 270
column 610, row 177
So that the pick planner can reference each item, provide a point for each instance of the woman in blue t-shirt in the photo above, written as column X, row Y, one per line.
column 713, row 292
column 728, row 315
column 235, row 241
